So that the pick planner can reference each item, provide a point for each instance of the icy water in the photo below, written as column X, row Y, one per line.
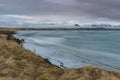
column 74, row 49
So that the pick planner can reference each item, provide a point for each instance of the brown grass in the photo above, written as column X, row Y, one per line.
column 17, row 65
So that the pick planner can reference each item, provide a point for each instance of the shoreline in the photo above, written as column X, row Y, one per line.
column 58, row 29
column 20, row 63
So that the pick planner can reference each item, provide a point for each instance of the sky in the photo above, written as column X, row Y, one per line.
column 82, row 11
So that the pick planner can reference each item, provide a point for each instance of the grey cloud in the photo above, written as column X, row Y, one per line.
column 108, row 9
column 102, row 9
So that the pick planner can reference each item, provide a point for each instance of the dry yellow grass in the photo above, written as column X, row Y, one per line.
column 17, row 65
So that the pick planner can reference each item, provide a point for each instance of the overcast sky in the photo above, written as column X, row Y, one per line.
column 60, row 10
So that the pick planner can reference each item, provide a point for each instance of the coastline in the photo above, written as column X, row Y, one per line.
column 58, row 29
column 22, row 64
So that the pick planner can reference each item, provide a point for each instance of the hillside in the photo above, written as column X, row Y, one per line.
column 17, row 63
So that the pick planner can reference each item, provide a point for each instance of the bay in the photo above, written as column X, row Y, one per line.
column 75, row 49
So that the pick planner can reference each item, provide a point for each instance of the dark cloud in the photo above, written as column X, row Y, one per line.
column 108, row 9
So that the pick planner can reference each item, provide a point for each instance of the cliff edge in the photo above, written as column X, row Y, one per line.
column 17, row 63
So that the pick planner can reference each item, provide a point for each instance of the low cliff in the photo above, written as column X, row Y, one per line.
column 17, row 63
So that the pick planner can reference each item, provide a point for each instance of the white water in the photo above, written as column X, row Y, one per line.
column 76, row 48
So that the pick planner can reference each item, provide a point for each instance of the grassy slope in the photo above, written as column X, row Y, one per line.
column 22, row 64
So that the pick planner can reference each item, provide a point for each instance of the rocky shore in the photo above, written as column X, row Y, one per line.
column 17, row 63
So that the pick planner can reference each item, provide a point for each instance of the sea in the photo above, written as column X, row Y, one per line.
column 77, row 48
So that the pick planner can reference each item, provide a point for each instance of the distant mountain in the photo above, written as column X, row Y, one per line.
column 54, row 25
column 32, row 25
column 77, row 25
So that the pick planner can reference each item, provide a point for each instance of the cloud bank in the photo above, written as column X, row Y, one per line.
column 82, row 10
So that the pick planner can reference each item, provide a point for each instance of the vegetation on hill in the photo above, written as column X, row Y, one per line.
column 17, row 63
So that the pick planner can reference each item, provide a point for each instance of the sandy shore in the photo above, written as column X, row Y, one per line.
column 17, row 63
